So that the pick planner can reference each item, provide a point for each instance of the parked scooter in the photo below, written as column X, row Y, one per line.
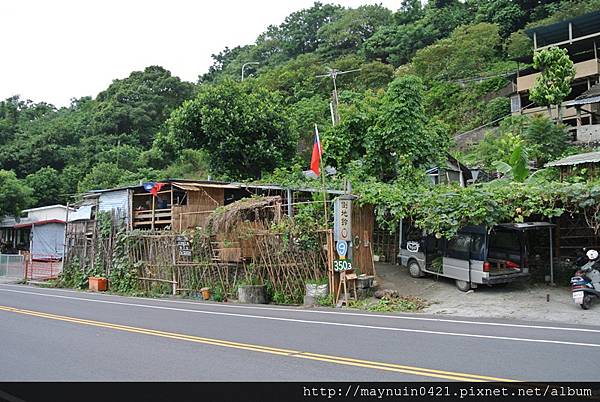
column 585, row 285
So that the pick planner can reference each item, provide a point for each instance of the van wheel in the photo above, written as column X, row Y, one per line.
column 414, row 269
column 463, row 286
column 587, row 302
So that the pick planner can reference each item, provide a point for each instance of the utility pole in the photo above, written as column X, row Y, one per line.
column 334, row 104
column 247, row 64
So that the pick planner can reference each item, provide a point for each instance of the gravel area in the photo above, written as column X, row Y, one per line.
column 518, row 300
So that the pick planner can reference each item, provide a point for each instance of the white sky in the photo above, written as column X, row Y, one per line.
column 55, row 50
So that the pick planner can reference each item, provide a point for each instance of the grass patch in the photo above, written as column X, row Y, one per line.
column 390, row 305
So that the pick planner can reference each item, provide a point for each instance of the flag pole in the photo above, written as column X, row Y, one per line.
column 322, row 172
column 328, row 234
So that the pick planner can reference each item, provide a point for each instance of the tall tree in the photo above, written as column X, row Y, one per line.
column 132, row 109
column 242, row 125
column 299, row 31
column 401, row 131
column 467, row 52
column 554, row 83
column 48, row 187
column 104, row 175
column 352, row 29
column 546, row 141
column 14, row 194
column 506, row 13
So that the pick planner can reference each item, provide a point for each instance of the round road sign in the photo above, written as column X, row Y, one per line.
column 342, row 248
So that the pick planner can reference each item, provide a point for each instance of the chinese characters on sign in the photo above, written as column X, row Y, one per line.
column 183, row 246
column 343, row 219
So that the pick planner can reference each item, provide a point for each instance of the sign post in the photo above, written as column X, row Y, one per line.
column 342, row 234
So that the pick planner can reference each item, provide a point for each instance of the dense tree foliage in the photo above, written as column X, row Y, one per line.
column 545, row 140
column 401, row 133
column 14, row 194
column 242, row 126
column 47, row 185
column 554, row 83
column 426, row 72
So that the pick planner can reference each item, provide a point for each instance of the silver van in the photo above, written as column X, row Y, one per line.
column 475, row 256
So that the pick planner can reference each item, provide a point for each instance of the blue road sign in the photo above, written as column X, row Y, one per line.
column 342, row 248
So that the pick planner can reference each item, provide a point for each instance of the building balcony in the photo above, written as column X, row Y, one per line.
column 568, row 113
column 588, row 68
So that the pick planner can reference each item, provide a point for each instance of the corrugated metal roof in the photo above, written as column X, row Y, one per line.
column 11, row 221
column 194, row 185
column 593, row 91
column 527, row 225
column 282, row 188
column 45, row 207
column 584, row 101
column 199, row 186
column 37, row 223
column 589, row 157
column 583, row 25
column 592, row 95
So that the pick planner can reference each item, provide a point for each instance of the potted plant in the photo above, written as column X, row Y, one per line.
column 205, row 293
column 315, row 290
column 98, row 283
column 252, row 291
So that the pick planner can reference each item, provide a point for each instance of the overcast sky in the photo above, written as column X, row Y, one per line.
column 55, row 50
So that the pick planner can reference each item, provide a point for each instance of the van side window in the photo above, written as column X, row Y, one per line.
column 477, row 247
column 459, row 246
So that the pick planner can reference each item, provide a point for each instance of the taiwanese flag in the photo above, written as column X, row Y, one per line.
column 317, row 153
column 153, row 188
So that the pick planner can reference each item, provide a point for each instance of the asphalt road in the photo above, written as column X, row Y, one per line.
column 63, row 335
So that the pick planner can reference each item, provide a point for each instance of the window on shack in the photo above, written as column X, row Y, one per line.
column 180, row 197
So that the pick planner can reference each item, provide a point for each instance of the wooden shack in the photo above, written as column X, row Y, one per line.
column 584, row 164
column 178, row 205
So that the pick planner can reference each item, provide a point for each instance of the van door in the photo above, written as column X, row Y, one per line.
column 457, row 257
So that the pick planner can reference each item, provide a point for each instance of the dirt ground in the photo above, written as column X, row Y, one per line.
column 518, row 300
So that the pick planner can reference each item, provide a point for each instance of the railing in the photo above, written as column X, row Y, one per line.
column 12, row 266
column 145, row 217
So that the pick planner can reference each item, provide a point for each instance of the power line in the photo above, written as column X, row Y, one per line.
column 334, row 105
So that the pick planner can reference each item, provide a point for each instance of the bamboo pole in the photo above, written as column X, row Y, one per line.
column 153, row 212
column 323, row 173
column 156, row 280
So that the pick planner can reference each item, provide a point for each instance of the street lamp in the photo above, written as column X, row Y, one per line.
column 246, row 64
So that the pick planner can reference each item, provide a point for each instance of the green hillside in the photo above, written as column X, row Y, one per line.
column 417, row 86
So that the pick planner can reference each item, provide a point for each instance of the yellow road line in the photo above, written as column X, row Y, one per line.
column 449, row 375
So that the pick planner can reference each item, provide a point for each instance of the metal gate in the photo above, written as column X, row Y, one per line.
column 12, row 266
column 43, row 267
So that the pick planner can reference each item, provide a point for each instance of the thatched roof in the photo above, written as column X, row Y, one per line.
column 246, row 209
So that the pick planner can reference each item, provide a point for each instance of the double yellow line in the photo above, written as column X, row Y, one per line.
column 447, row 375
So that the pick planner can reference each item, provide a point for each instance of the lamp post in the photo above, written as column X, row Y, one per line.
column 246, row 64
